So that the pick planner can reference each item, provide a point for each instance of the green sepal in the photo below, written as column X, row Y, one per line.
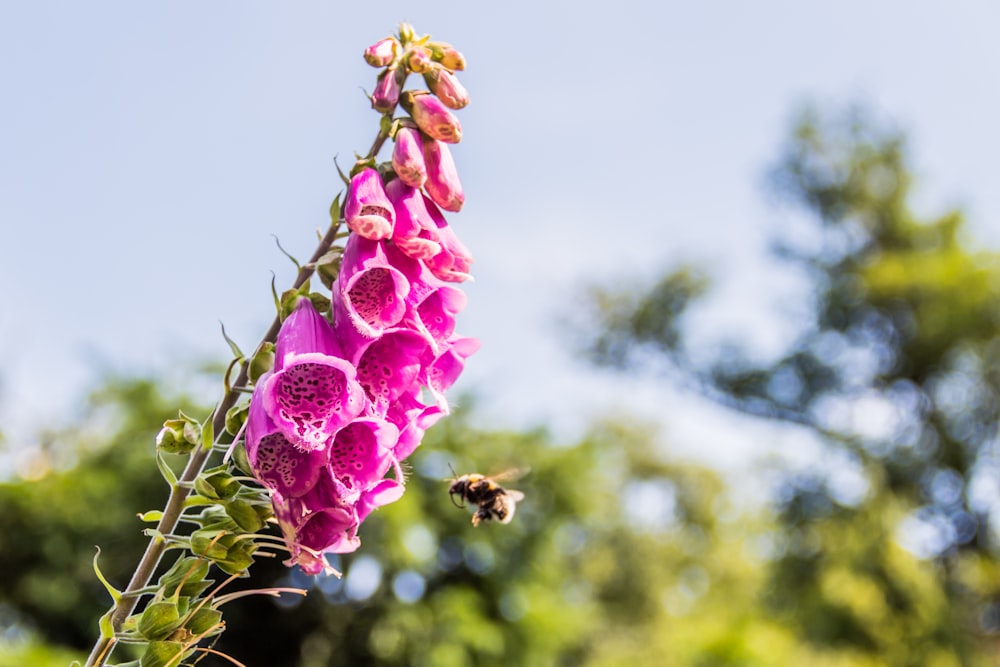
column 205, row 621
column 152, row 516
column 335, row 206
column 206, row 542
column 186, row 577
column 328, row 266
column 208, row 435
column 160, row 619
column 240, row 459
column 115, row 594
column 240, row 558
column 261, row 362
column 178, row 436
column 236, row 417
column 168, row 474
column 217, row 484
column 163, row 654
column 245, row 515
column 130, row 663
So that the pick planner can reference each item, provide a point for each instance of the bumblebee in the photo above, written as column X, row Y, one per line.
column 494, row 502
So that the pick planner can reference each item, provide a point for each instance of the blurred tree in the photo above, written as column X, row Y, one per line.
column 905, row 322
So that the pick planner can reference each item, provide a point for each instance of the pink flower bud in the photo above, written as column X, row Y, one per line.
column 408, row 157
column 420, row 60
column 368, row 212
column 382, row 52
column 445, row 85
column 432, row 117
column 386, row 94
column 442, row 182
column 448, row 56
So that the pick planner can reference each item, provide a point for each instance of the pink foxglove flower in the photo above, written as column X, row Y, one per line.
column 432, row 117
column 369, row 291
column 454, row 261
column 280, row 464
column 408, row 157
column 446, row 86
column 316, row 524
column 368, row 211
column 415, row 232
column 413, row 418
column 382, row 52
column 442, row 373
column 389, row 365
column 442, row 182
column 312, row 391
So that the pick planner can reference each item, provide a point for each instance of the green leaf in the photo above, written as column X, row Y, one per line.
column 152, row 516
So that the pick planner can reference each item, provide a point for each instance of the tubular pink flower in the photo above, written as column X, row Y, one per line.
column 368, row 212
column 317, row 523
column 432, row 304
column 442, row 183
column 389, row 366
column 408, row 157
column 385, row 97
column 413, row 418
column 433, row 117
column 415, row 232
column 440, row 375
column 452, row 264
column 382, row 52
column 446, row 86
column 278, row 463
column 361, row 453
column 312, row 391
column 369, row 291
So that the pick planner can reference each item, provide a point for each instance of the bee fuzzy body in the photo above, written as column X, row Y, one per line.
column 494, row 502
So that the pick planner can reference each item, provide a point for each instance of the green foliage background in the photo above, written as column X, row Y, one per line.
column 621, row 555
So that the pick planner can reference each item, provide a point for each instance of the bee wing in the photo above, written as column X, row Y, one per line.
column 515, row 495
column 510, row 474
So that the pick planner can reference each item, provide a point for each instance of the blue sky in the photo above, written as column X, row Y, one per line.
column 148, row 151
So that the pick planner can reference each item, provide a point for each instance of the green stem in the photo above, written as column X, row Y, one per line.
column 180, row 491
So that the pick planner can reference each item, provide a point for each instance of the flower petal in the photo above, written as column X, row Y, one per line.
column 313, row 397
column 361, row 452
column 372, row 293
column 303, row 332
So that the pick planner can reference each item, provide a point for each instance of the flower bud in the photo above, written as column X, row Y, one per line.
column 432, row 117
column 419, row 60
column 446, row 86
column 449, row 57
column 382, row 52
column 408, row 157
column 442, row 182
column 386, row 94
column 368, row 211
